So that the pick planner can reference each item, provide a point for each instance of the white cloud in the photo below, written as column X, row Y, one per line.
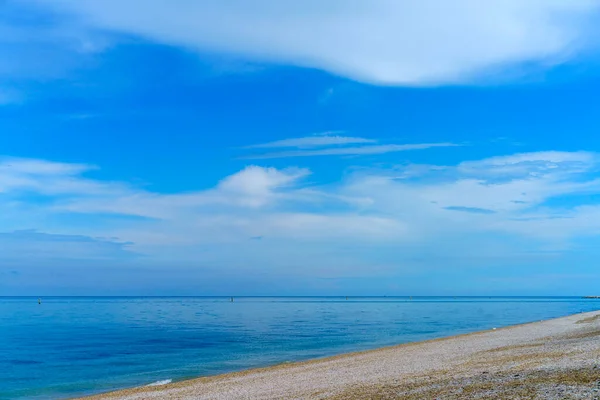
column 313, row 141
column 539, row 163
column 466, row 211
column 23, row 166
column 255, row 186
column 350, row 151
column 70, row 191
column 50, row 178
column 327, row 144
column 395, row 42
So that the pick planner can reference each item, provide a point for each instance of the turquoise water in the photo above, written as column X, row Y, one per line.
column 73, row 346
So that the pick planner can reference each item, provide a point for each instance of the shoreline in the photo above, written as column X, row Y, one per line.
column 543, row 353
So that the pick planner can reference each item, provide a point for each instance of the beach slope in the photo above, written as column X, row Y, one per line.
column 554, row 359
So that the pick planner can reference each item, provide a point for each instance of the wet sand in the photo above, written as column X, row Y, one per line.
column 553, row 359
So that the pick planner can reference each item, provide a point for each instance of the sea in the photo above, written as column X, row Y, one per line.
column 72, row 346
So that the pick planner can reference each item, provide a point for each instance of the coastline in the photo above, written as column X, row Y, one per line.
column 557, row 358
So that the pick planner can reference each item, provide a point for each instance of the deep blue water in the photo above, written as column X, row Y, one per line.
column 73, row 346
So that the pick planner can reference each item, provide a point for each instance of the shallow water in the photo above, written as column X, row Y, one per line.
column 70, row 346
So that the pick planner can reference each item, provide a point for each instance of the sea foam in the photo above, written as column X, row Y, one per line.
column 160, row 383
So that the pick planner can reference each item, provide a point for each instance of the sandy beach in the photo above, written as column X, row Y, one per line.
column 553, row 359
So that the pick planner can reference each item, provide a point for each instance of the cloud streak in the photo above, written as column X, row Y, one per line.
column 31, row 245
column 312, row 141
column 350, row 151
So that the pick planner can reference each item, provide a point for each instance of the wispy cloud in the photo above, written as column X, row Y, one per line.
column 326, row 139
column 24, row 166
column 35, row 246
column 473, row 210
column 538, row 163
column 350, row 151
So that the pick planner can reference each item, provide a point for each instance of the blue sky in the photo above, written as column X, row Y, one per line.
column 285, row 148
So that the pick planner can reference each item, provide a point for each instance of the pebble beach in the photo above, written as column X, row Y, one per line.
column 553, row 359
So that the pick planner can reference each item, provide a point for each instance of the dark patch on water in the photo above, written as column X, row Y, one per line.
column 24, row 362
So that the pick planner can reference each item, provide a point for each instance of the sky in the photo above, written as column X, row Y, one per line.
column 336, row 147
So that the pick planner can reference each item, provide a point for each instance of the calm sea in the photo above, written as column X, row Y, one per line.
column 73, row 346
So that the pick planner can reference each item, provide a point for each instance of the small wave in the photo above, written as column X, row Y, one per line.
column 160, row 383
